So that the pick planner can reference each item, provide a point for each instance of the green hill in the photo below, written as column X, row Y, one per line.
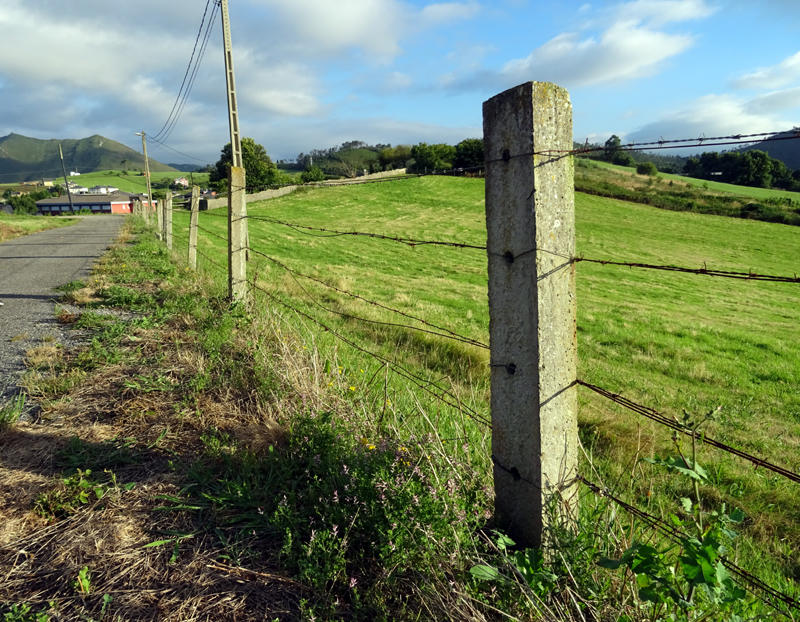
column 28, row 159
column 780, row 147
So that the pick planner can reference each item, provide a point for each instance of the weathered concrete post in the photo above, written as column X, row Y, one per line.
column 193, row 218
column 137, row 208
column 160, row 220
column 168, row 220
column 237, row 234
column 530, row 218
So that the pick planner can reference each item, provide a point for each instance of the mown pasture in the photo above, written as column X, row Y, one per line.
column 670, row 341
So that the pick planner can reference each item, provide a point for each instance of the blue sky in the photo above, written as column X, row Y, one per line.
column 315, row 73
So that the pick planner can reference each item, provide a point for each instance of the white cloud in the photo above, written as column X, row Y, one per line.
column 657, row 13
column 435, row 14
column 715, row 115
column 625, row 43
column 624, row 51
column 775, row 101
column 396, row 81
column 785, row 72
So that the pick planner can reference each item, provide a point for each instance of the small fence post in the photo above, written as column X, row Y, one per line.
column 237, row 235
column 193, row 227
column 530, row 220
column 160, row 220
column 137, row 207
column 168, row 220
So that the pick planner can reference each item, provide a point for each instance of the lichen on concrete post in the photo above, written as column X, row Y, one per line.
column 530, row 220
column 193, row 219
column 237, row 235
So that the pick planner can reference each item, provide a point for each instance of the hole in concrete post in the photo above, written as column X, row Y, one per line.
column 506, row 155
column 508, row 257
column 511, row 368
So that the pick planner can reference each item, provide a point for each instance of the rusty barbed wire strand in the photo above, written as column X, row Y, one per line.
column 682, row 143
column 745, row 276
column 705, row 271
column 673, row 532
column 421, row 383
column 334, row 233
column 212, row 233
column 212, row 261
column 450, row 334
column 674, row 425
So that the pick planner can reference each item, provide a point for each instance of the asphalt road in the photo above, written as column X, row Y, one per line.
column 30, row 268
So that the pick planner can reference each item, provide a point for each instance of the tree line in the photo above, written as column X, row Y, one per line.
column 350, row 159
column 742, row 168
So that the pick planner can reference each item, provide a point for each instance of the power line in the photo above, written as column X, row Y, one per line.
column 185, row 75
column 180, row 102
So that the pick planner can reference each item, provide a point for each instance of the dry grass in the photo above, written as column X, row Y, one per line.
column 41, row 556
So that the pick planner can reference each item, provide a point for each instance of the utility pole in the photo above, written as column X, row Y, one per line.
column 237, row 203
column 147, row 177
column 66, row 181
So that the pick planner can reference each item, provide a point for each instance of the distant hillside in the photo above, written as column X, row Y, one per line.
column 28, row 159
column 788, row 151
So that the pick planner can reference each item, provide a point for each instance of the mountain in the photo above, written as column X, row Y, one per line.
column 788, row 151
column 28, row 159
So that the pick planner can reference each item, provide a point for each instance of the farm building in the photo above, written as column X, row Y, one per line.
column 114, row 203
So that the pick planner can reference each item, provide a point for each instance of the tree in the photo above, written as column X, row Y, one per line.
column 391, row 158
column 611, row 146
column 433, row 157
column 259, row 168
column 647, row 168
column 312, row 173
column 469, row 153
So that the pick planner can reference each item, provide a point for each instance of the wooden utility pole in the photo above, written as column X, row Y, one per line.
column 147, row 180
column 237, row 205
column 66, row 181
column 530, row 221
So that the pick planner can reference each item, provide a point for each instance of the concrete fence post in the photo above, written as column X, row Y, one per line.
column 237, row 235
column 168, row 220
column 160, row 220
column 530, row 219
column 193, row 218
column 137, row 208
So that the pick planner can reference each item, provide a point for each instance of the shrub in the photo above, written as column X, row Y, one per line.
column 647, row 168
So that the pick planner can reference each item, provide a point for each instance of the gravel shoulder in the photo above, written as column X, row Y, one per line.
column 31, row 267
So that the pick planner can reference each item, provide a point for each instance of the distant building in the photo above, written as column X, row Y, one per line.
column 74, row 174
column 181, row 181
column 103, row 190
column 113, row 203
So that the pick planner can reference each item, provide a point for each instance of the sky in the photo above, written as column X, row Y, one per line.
column 312, row 74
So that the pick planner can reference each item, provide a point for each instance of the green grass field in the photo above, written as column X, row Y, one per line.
column 669, row 341
column 745, row 191
column 16, row 226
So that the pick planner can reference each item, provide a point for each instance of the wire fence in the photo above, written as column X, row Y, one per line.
column 774, row 598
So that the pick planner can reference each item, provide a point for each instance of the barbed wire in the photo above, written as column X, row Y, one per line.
column 421, row 383
column 675, row 533
column 212, row 233
column 334, row 233
column 449, row 334
column 746, row 276
column 682, row 143
column 678, row 427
